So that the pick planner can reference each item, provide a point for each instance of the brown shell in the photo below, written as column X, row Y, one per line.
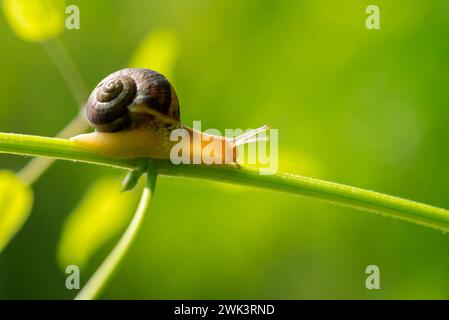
column 109, row 103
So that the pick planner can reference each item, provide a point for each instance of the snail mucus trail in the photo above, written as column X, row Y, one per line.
column 134, row 112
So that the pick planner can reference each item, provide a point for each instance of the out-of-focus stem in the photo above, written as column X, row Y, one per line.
column 67, row 68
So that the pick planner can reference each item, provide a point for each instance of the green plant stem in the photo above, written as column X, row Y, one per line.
column 99, row 279
column 56, row 148
column 318, row 189
column 67, row 68
column 37, row 166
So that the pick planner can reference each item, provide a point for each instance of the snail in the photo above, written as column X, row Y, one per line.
column 134, row 112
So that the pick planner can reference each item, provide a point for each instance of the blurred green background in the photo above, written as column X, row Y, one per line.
column 368, row 108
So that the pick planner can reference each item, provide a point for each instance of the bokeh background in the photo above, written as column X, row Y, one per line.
column 368, row 108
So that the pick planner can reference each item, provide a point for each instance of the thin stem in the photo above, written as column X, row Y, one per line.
column 348, row 196
column 37, row 166
column 318, row 189
column 97, row 282
column 67, row 68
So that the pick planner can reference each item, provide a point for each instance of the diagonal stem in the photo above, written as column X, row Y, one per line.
column 67, row 69
column 69, row 72
column 99, row 279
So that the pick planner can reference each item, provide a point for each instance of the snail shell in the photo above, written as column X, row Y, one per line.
column 134, row 112
column 109, row 106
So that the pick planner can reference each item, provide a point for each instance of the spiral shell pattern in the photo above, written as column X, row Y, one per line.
column 108, row 105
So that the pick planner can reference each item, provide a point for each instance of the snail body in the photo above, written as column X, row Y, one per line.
column 134, row 112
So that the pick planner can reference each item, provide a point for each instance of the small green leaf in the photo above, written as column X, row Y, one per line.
column 132, row 178
column 101, row 214
column 16, row 200
column 35, row 20
column 158, row 51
